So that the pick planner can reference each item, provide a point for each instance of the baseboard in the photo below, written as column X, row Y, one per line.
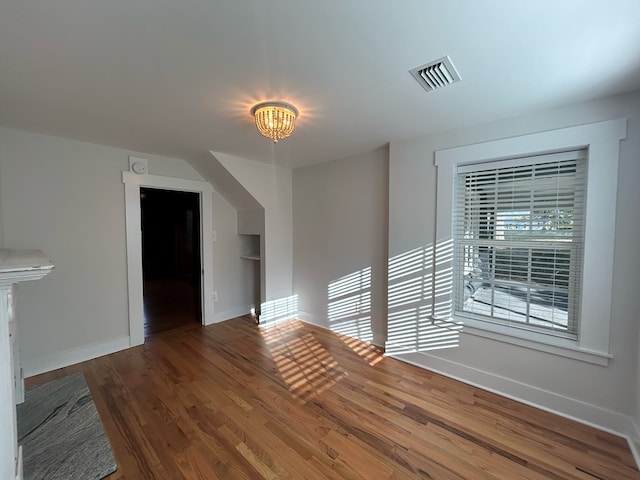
column 320, row 321
column 47, row 363
column 592, row 415
column 379, row 339
column 577, row 410
column 312, row 319
column 278, row 310
column 633, row 437
column 229, row 314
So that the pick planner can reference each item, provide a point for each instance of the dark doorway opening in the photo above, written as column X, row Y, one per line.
column 171, row 266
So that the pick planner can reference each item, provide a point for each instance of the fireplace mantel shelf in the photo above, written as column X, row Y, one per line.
column 15, row 266
column 23, row 265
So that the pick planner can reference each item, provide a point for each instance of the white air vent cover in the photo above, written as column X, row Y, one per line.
column 436, row 74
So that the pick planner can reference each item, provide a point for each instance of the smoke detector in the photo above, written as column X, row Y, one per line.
column 436, row 74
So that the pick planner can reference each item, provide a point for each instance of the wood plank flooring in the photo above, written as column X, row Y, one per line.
column 170, row 303
column 234, row 401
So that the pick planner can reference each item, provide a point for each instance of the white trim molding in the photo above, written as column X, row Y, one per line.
column 231, row 313
column 47, row 363
column 567, row 407
column 133, row 182
column 633, row 437
column 602, row 139
column 320, row 321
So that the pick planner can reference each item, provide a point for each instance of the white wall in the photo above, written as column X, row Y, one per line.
column 635, row 434
column 234, row 295
column 602, row 395
column 271, row 186
column 1, row 215
column 251, row 222
column 340, row 244
column 67, row 198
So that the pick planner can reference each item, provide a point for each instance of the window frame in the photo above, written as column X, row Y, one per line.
column 602, row 141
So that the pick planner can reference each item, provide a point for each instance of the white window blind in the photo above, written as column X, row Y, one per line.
column 519, row 238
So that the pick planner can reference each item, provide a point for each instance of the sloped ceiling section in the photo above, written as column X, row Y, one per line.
column 212, row 170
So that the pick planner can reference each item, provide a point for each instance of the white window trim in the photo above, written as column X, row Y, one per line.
column 603, row 142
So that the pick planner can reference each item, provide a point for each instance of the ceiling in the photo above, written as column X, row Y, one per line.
column 178, row 78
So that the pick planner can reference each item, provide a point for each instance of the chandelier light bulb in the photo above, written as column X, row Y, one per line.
column 275, row 120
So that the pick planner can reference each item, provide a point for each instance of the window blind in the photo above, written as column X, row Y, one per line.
column 519, row 237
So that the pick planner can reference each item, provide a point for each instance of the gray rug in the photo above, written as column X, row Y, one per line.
column 61, row 433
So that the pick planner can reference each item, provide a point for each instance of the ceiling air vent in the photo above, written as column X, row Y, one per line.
column 436, row 74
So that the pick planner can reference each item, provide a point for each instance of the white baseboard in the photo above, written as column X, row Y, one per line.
column 571, row 408
column 229, row 314
column 321, row 322
column 633, row 437
column 379, row 339
column 312, row 319
column 579, row 411
column 592, row 415
column 47, row 363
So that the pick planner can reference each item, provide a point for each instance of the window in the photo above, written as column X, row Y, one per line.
column 518, row 240
column 534, row 235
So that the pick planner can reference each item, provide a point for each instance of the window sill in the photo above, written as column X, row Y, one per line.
column 535, row 341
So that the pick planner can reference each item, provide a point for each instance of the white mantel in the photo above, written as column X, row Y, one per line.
column 15, row 266
column 23, row 265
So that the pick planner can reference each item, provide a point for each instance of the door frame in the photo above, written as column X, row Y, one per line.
column 132, row 184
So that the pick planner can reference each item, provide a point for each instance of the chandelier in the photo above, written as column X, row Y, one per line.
column 275, row 120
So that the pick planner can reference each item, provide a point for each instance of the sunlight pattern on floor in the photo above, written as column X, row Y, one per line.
column 303, row 363
column 369, row 353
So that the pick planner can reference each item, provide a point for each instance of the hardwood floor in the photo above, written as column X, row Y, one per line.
column 234, row 401
column 170, row 303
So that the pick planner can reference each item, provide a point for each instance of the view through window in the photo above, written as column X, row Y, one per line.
column 518, row 230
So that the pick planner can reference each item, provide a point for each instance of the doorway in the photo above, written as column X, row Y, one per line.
column 171, row 263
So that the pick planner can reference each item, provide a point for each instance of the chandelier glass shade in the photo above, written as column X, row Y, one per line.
column 275, row 120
